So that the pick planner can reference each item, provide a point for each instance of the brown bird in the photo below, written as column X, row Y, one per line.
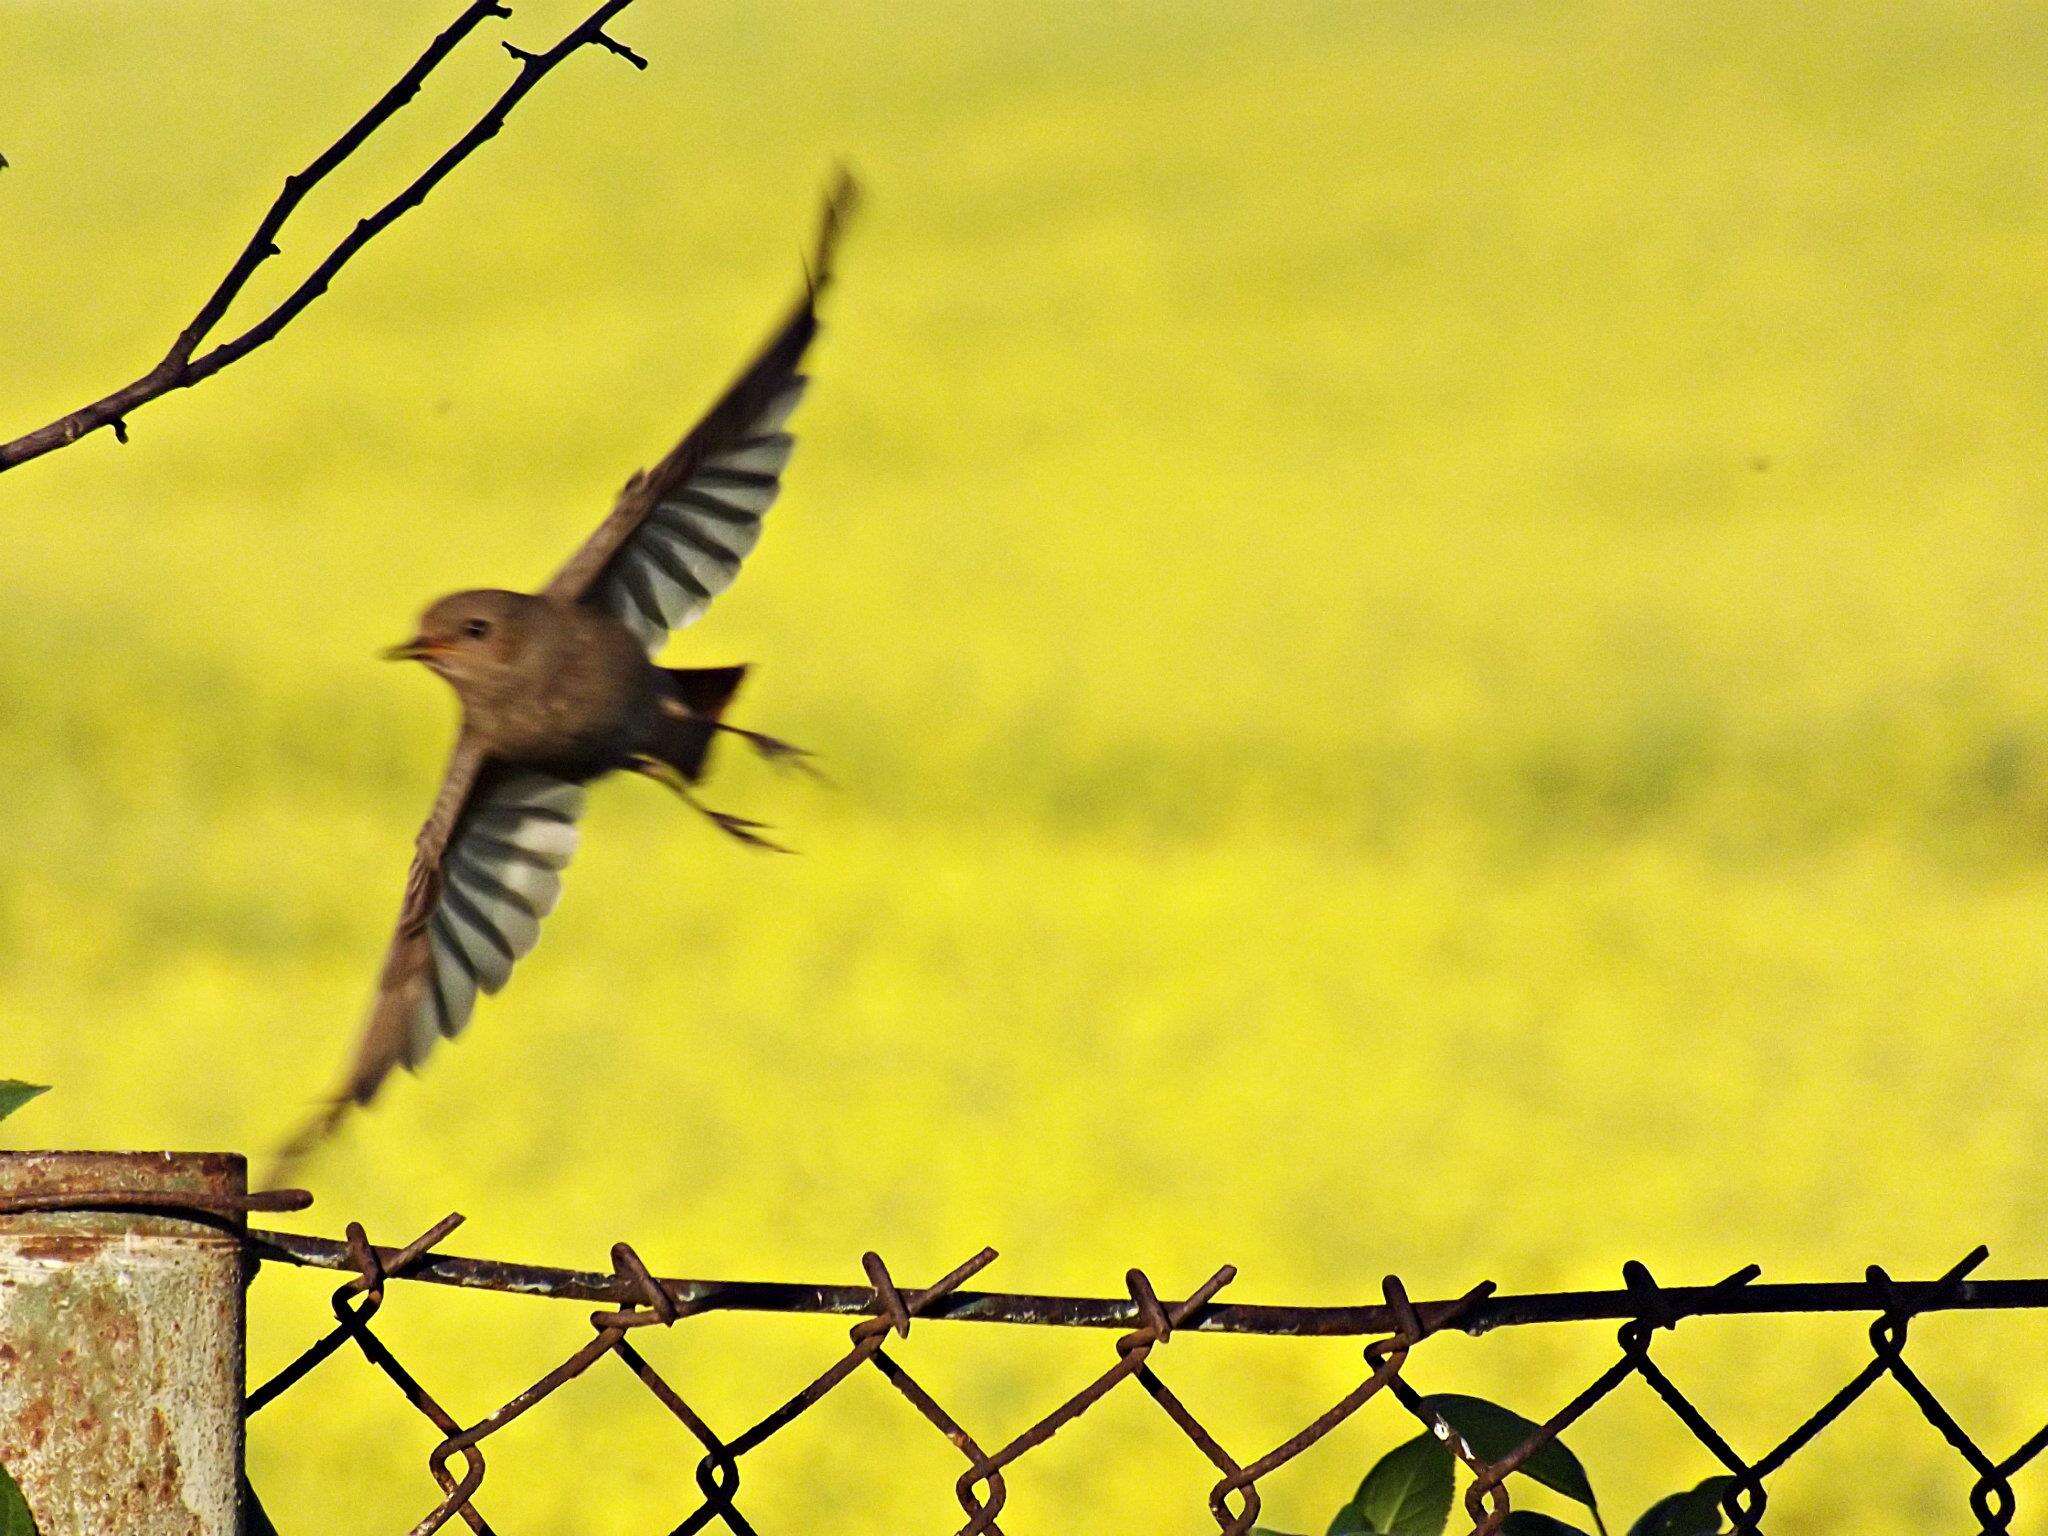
column 559, row 687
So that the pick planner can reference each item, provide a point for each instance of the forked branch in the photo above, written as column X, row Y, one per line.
column 185, row 364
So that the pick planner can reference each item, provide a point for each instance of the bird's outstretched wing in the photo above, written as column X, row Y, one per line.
column 473, row 904
column 487, row 864
column 486, row 868
column 676, row 536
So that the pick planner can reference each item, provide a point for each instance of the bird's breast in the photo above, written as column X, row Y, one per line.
column 573, row 719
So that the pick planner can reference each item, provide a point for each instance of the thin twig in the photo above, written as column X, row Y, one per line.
column 184, row 365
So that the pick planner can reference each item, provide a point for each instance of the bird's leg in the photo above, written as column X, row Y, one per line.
column 773, row 749
column 736, row 827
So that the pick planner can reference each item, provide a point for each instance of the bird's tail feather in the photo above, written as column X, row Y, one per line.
column 704, row 690
column 695, row 698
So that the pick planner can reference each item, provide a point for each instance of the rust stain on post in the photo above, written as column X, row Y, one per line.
column 121, row 1348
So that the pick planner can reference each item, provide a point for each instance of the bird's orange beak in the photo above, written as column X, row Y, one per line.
column 418, row 648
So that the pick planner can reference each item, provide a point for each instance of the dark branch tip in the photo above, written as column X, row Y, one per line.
column 180, row 368
column 611, row 44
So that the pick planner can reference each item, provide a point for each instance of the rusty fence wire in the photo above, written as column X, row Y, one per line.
column 1397, row 1331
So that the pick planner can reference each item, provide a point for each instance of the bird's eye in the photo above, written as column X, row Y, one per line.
column 476, row 629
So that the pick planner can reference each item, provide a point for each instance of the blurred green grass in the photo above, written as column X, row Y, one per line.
column 1429, row 625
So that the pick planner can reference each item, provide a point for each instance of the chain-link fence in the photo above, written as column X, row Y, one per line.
column 1397, row 1330
column 54, row 1223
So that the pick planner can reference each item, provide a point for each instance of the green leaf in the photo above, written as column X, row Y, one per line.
column 1407, row 1493
column 1526, row 1522
column 1697, row 1513
column 15, row 1520
column 1493, row 1431
column 1266, row 1530
column 13, row 1094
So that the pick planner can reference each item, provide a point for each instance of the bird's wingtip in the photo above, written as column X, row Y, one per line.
column 842, row 199
column 315, row 1130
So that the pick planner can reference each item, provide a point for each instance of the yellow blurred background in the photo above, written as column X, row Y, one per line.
column 1428, row 620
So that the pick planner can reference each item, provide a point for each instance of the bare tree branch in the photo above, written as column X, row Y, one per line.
column 185, row 365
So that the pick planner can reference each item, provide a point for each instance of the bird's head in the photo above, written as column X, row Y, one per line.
column 473, row 639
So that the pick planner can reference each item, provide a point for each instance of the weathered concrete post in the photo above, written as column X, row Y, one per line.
column 121, row 1348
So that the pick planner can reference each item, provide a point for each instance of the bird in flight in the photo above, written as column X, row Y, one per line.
column 559, row 687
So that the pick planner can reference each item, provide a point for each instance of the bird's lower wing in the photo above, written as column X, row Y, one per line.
column 387, row 1035
column 486, row 869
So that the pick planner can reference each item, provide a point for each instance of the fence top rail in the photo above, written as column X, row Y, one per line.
column 1642, row 1300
